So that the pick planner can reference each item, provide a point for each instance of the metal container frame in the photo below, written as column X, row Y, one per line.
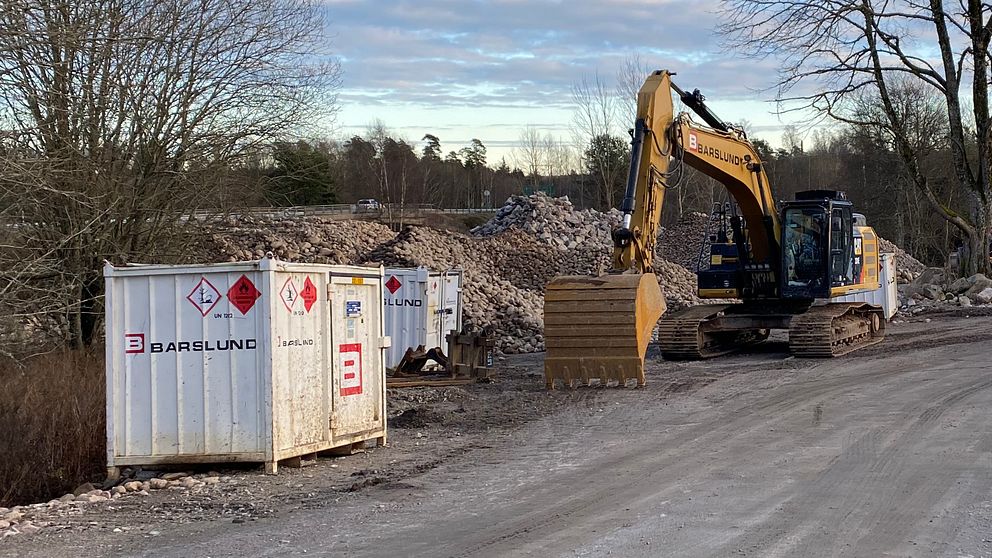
column 260, row 405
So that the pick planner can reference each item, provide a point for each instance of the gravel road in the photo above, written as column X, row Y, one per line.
column 886, row 452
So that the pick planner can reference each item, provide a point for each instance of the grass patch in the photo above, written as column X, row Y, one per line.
column 52, row 426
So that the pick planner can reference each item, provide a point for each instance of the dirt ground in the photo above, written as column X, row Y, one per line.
column 885, row 452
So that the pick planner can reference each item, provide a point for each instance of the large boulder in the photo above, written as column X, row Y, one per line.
column 931, row 276
column 959, row 286
column 982, row 297
column 980, row 284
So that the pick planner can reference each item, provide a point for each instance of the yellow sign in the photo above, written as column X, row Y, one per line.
column 357, row 281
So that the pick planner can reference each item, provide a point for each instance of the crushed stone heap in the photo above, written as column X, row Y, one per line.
column 301, row 239
column 507, row 261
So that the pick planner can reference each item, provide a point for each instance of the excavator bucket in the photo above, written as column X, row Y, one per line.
column 598, row 328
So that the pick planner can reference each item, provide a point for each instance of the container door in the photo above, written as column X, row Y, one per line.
column 300, row 381
column 432, row 319
column 452, row 307
column 358, row 390
column 888, row 285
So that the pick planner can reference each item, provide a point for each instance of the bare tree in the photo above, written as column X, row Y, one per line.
column 630, row 78
column 529, row 155
column 122, row 118
column 595, row 120
column 834, row 49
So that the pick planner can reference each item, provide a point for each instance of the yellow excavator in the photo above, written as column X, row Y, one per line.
column 783, row 264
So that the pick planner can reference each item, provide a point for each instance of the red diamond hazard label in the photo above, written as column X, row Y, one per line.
column 204, row 296
column 243, row 294
column 393, row 284
column 289, row 294
column 308, row 294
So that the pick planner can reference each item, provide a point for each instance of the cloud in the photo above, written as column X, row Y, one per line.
column 474, row 68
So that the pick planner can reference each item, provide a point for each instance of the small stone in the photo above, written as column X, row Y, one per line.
column 4, row 524
column 211, row 480
column 28, row 529
column 158, row 484
column 13, row 515
column 146, row 485
column 118, row 530
column 154, row 533
column 83, row 489
column 132, row 486
column 67, row 498
column 174, row 476
column 142, row 493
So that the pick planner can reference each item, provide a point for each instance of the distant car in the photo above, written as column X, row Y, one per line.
column 369, row 204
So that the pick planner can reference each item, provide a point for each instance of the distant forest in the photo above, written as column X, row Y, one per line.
column 394, row 171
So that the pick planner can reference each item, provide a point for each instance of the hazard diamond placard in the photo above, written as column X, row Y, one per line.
column 393, row 284
column 289, row 294
column 308, row 294
column 243, row 294
column 204, row 296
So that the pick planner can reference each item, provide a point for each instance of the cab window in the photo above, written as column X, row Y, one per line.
column 804, row 240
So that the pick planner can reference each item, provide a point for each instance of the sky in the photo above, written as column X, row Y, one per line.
column 463, row 69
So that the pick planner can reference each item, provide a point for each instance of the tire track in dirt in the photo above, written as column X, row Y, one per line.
column 692, row 442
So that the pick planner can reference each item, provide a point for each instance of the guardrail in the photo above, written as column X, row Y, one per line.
column 340, row 209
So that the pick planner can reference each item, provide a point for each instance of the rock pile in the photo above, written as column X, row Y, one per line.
column 908, row 268
column 584, row 236
column 933, row 288
column 29, row 519
column 504, row 277
column 682, row 242
column 507, row 261
column 303, row 239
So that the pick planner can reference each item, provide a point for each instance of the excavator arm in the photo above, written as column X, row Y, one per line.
column 662, row 142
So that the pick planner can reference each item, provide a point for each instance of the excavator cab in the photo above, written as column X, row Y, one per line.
column 818, row 245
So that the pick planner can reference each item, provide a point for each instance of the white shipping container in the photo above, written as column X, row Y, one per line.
column 885, row 295
column 250, row 361
column 421, row 307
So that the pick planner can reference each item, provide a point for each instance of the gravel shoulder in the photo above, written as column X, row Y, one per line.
column 883, row 452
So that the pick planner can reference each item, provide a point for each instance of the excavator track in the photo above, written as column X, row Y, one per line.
column 685, row 336
column 835, row 329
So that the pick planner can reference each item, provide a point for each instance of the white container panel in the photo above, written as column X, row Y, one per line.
column 189, row 382
column 421, row 307
column 359, row 394
column 238, row 362
column 885, row 296
column 404, row 303
column 435, row 309
column 301, row 407
column 452, row 311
